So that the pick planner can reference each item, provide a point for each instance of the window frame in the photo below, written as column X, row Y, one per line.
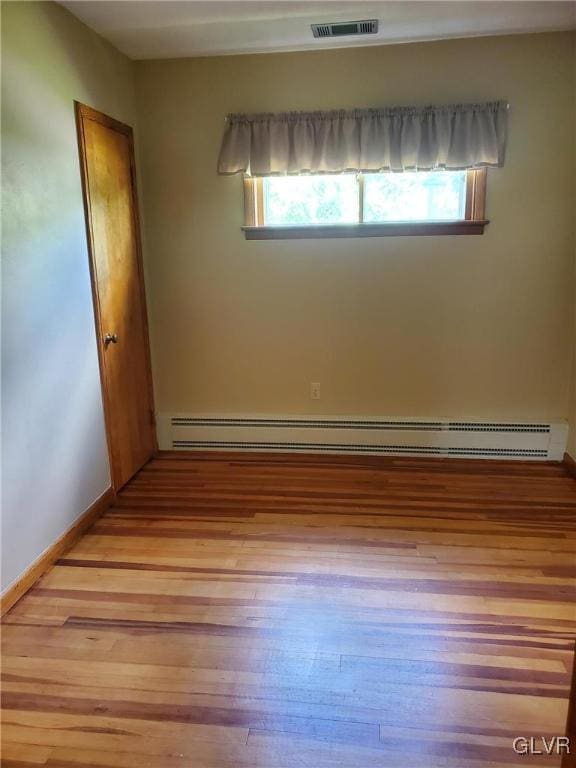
column 473, row 223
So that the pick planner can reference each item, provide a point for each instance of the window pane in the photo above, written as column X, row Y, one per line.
column 294, row 200
column 415, row 196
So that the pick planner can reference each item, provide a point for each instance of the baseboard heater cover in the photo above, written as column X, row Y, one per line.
column 435, row 437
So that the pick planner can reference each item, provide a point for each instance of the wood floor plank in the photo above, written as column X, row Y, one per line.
column 278, row 611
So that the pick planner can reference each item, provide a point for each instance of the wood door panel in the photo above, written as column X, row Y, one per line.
column 118, row 288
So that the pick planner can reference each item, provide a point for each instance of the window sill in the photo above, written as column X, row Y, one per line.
column 393, row 229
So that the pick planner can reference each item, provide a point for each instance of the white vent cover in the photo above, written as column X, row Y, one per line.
column 413, row 437
column 345, row 28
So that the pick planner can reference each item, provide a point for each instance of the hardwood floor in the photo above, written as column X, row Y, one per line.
column 242, row 611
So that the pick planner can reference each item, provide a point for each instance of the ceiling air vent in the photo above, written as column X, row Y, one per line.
column 342, row 28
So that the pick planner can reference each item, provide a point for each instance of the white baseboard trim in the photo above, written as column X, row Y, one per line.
column 540, row 441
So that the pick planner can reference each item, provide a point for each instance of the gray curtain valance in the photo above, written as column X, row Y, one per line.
column 454, row 137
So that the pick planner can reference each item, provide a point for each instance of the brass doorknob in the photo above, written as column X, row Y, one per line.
column 110, row 338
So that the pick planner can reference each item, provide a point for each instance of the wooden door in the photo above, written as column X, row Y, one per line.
column 107, row 165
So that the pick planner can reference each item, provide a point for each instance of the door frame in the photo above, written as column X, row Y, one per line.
column 84, row 112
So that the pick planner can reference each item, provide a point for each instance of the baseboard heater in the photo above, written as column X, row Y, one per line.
column 395, row 437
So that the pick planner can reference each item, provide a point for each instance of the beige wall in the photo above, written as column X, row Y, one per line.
column 471, row 327
column 55, row 462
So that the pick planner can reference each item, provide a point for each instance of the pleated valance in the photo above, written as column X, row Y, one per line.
column 453, row 137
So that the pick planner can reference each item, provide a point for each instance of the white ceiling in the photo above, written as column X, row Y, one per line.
column 158, row 29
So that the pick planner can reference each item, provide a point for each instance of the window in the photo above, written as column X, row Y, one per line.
column 410, row 203
column 432, row 196
column 306, row 200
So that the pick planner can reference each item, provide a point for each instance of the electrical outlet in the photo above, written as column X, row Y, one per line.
column 315, row 390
